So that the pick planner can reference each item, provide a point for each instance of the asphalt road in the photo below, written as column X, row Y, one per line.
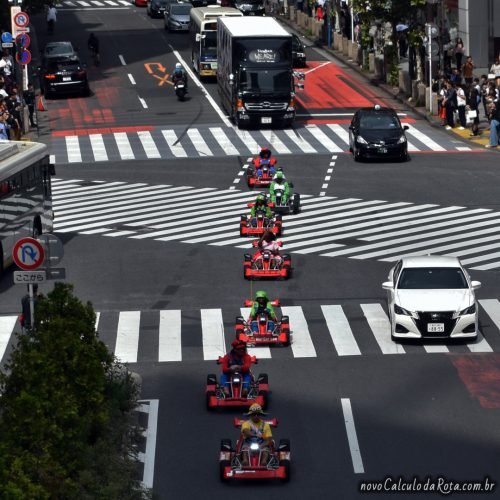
column 415, row 412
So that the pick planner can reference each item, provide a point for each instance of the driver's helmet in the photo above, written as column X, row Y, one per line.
column 261, row 298
column 260, row 200
column 239, row 347
column 265, row 153
column 279, row 177
column 255, row 409
column 178, row 68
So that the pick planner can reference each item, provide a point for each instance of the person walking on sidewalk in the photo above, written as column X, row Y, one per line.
column 495, row 67
column 51, row 18
column 494, row 124
column 459, row 53
column 29, row 100
column 468, row 71
column 461, row 102
column 450, row 103
column 473, row 100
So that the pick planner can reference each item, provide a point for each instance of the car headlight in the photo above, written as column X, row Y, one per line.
column 301, row 54
column 468, row 310
column 402, row 140
column 404, row 312
column 360, row 140
column 254, row 446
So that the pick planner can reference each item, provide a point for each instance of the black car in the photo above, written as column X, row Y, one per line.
column 64, row 75
column 156, row 8
column 250, row 7
column 298, row 52
column 377, row 133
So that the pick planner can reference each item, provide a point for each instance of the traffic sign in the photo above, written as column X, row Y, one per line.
column 28, row 254
column 23, row 57
column 7, row 37
column 21, row 19
column 29, row 277
column 23, row 40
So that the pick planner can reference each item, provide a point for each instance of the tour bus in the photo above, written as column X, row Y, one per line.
column 203, row 33
column 25, row 194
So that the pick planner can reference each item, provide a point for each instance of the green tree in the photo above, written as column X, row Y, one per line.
column 65, row 410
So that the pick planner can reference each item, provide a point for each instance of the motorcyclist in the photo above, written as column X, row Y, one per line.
column 180, row 75
column 255, row 430
column 260, row 205
column 93, row 46
column 280, row 183
column 264, row 159
column 262, row 305
column 236, row 360
column 268, row 243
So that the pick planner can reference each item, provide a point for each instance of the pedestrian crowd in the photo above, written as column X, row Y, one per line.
column 462, row 98
column 13, row 101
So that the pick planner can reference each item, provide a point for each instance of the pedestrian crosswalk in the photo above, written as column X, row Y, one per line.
column 332, row 330
column 92, row 4
column 217, row 141
column 326, row 226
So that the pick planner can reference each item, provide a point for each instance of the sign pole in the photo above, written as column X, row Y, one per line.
column 429, row 37
column 32, row 305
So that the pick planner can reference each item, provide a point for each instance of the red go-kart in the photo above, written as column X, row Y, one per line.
column 261, row 224
column 263, row 333
column 261, row 172
column 257, row 392
column 239, row 463
column 263, row 264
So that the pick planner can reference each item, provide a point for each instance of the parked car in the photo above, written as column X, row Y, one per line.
column 177, row 16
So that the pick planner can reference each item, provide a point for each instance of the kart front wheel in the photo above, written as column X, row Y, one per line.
column 222, row 466
column 208, row 396
column 263, row 395
column 286, row 465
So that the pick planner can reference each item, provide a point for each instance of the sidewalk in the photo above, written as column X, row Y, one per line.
column 481, row 140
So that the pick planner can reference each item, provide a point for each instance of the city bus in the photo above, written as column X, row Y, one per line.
column 25, row 194
column 203, row 34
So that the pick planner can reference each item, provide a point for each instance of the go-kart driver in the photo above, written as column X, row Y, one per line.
column 236, row 360
column 268, row 243
column 264, row 159
column 279, row 183
column 260, row 205
column 262, row 305
column 255, row 430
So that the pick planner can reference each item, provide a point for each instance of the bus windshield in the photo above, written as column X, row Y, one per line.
column 269, row 80
column 209, row 43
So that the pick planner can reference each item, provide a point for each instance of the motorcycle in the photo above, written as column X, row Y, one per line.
column 180, row 90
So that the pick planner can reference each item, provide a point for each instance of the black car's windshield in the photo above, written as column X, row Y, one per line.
column 160, row 3
column 60, row 49
column 180, row 10
column 429, row 278
column 265, row 80
column 377, row 121
column 209, row 43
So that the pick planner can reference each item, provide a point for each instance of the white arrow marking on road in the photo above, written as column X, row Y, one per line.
column 352, row 438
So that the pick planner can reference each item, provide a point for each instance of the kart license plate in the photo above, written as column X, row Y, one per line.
column 435, row 327
column 382, row 150
column 66, row 78
column 266, row 119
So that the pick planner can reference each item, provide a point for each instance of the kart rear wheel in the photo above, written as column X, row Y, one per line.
column 264, row 396
column 286, row 343
column 226, row 445
column 212, row 379
column 286, row 465
column 222, row 465
column 263, row 378
column 296, row 203
column 284, row 445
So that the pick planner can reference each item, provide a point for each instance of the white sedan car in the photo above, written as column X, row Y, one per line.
column 431, row 297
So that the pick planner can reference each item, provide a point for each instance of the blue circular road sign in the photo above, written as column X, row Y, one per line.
column 7, row 37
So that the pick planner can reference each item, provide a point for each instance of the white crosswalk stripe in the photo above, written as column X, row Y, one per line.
column 222, row 141
column 327, row 226
column 337, row 332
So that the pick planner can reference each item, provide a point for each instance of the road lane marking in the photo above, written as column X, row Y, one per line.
column 127, row 336
column 273, row 139
column 324, row 139
column 223, row 140
column 480, row 345
column 148, row 457
column 122, row 60
column 143, row 102
column 98, row 148
column 73, row 149
column 302, row 344
column 352, row 437
column 169, row 347
column 300, row 141
column 173, row 143
column 425, row 139
column 381, row 329
column 131, row 78
column 340, row 331
column 199, row 143
column 212, row 329
column 123, row 145
column 197, row 82
column 261, row 352
column 148, row 144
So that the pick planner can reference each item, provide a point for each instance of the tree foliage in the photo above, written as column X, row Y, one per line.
column 65, row 410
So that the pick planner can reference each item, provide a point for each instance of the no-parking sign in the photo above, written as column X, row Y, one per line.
column 28, row 254
column 21, row 19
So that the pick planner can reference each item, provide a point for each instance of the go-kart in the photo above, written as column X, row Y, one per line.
column 266, row 333
column 262, row 224
column 238, row 463
column 263, row 264
column 261, row 172
column 257, row 392
column 282, row 206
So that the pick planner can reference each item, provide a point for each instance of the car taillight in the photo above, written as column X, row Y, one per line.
column 50, row 76
column 239, row 103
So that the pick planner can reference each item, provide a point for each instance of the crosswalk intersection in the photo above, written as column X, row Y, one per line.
column 219, row 141
column 326, row 226
column 92, row 4
column 332, row 330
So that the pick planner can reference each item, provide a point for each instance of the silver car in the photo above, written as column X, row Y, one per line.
column 177, row 16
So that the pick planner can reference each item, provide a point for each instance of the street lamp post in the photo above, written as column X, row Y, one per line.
column 429, row 52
